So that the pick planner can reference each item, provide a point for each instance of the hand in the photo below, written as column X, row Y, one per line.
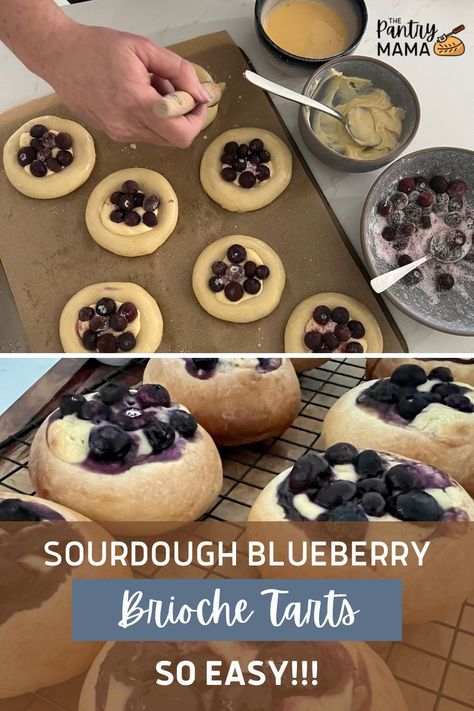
column 112, row 80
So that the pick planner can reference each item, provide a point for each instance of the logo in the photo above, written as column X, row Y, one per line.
column 413, row 38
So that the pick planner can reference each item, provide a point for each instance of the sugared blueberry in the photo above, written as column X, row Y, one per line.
column 341, row 453
column 369, row 464
column 409, row 375
column 153, row 396
column 111, row 393
column 409, row 406
column 322, row 315
column 106, row 306
column 183, row 422
column 160, row 435
column 128, row 310
column 109, row 443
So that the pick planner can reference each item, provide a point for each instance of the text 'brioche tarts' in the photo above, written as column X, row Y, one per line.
column 49, row 157
column 239, row 279
column 36, row 646
column 332, row 323
column 245, row 169
column 462, row 369
column 374, row 489
column 109, row 318
column 127, row 456
column 237, row 400
column 211, row 111
column 427, row 417
column 351, row 677
column 132, row 212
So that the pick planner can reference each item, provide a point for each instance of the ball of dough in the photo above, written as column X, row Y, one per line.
column 151, row 321
column 121, row 238
column 355, row 678
column 461, row 368
column 139, row 460
column 251, row 307
column 52, row 185
column 230, row 195
column 439, row 434
column 302, row 320
column 307, row 491
column 237, row 400
column 36, row 647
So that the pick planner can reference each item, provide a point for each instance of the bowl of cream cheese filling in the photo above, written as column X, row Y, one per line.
column 381, row 105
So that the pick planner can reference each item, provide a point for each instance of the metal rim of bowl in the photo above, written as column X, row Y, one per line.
column 392, row 155
column 364, row 16
column 367, row 254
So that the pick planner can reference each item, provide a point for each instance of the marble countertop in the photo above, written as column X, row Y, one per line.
column 444, row 87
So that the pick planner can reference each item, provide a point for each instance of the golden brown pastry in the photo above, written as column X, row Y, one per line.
column 126, row 456
column 36, row 647
column 237, row 400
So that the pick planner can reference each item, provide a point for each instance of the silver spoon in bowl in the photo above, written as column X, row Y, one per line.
column 360, row 115
column 444, row 246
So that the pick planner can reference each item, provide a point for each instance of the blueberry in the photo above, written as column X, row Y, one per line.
column 132, row 219
column 151, row 203
column 345, row 512
column 340, row 315
column 416, row 506
column 265, row 156
column 459, row 402
column 153, row 396
column 354, row 347
column 357, row 329
column 256, row 144
column 105, row 307
column 243, row 150
column 313, row 340
column 109, row 442
column 183, row 422
column 106, row 343
column 373, row 504
column 38, row 130
column 26, row 155
column 310, row 471
column 409, row 375
column 132, row 418
column 86, row 313
column 236, row 254
column 441, row 373
column 118, row 323
column 130, row 186
column 98, row 323
column 239, row 164
column 71, row 403
column 126, row 342
column 250, row 269
column 89, row 340
column 138, row 199
column 322, row 315
column 341, row 453
column 111, row 394
column 445, row 389
column 215, row 284
column 247, row 179
column 384, row 391
column 336, row 493
column 231, row 147
column 64, row 140
column 409, row 406
column 431, row 397
column 160, row 436
column 372, row 484
column 402, row 477
column 205, row 363
column 438, row 183
column 263, row 172
column 17, row 510
column 64, row 158
column 342, row 333
column 233, row 291
column 228, row 174
column 252, row 286
column 369, row 464
column 330, row 340
column 262, row 272
column 125, row 203
column 220, row 268
column 38, row 169
column 116, row 216
column 94, row 410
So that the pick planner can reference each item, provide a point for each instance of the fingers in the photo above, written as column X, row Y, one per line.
column 162, row 86
column 168, row 65
column 180, row 131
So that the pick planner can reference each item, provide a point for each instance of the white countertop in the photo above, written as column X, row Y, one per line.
column 444, row 87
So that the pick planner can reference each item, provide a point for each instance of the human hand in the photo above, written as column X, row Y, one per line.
column 112, row 80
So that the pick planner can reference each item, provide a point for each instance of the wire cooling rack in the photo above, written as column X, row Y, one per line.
column 434, row 664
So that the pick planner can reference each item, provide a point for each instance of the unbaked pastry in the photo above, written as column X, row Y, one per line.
column 333, row 323
column 269, row 177
column 144, row 322
column 52, row 184
column 211, row 287
column 429, row 418
column 126, row 239
column 203, row 76
column 36, row 647
column 126, row 456
column 237, row 400
column 461, row 368
column 351, row 677
column 345, row 485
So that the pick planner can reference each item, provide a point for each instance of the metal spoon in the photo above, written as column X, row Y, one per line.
column 285, row 93
column 440, row 249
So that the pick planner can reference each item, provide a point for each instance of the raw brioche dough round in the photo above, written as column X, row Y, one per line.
column 57, row 184
column 365, row 683
column 126, row 241
column 248, row 309
column 36, row 647
column 384, row 367
column 233, row 197
column 237, row 404
column 180, row 488
column 151, row 320
column 295, row 327
column 424, row 599
column 212, row 111
column 440, row 435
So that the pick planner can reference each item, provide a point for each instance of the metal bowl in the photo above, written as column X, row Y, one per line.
column 354, row 12
column 449, row 311
column 382, row 76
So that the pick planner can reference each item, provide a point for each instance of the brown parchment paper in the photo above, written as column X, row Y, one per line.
column 48, row 255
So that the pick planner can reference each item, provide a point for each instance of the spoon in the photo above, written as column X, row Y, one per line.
column 444, row 247
column 364, row 115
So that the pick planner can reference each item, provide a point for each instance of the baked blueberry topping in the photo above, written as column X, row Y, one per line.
column 335, row 493
column 345, row 512
column 242, row 164
column 111, row 394
column 373, row 503
column 415, row 506
column 71, row 404
column 183, row 422
column 109, row 443
column 309, row 472
column 94, row 410
column 237, row 277
column 325, row 340
column 160, row 436
column 39, row 154
column 341, row 453
column 205, row 363
column 408, row 375
column 369, row 464
column 153, row 396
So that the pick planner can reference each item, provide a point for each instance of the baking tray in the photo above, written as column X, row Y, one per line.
column 434, row 664
column 48, row 255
